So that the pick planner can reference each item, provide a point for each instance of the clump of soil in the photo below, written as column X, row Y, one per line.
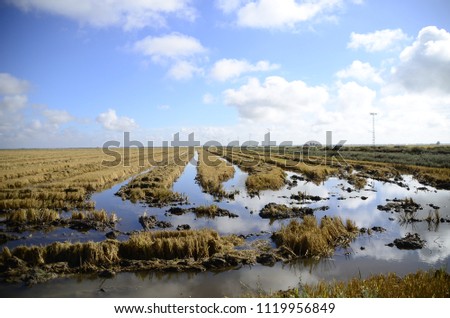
column 304, row 198
column 210, row 211
column 151, row 222
column 409, row 242
column 397, row 205
column 280, row 211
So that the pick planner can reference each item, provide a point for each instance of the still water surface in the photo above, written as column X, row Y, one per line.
column 375, row 257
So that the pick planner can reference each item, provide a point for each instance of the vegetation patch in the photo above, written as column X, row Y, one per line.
column 60, row 179
column 155, row 186
column 311, row 239
column 212, row 171
column 196, row 250
column 41, row 219
column 263, row 173
column 430, row 284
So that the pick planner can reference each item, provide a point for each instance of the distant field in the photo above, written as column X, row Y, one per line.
column 61, row 178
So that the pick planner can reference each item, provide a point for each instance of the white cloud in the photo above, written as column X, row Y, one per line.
column 377, row 41
column 183, row 70
column 9, row 85
column 354, row 98
column 180, row 50
column 276, row 100
column 228, row 6
column 425, row 65
column 226, row 69
column 360, row 71
column 111, row 121
column 269, row 14
column 208, row 99
column 130, row 14
column 171, row 46
column 57, row 117
column 13, row 102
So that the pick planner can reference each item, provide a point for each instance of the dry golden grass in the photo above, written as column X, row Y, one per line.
column 434, row 283
column 60, row 178
column 310, row 239
column 211, row 176
column 174, row 245
column 155, row 186
column 95, row 216
column 167, row 245
column 263, row 173
column 32, row 216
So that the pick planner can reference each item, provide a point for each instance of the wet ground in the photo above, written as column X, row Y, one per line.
column 368, row 254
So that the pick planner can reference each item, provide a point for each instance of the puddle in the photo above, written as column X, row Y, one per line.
column 375, row 257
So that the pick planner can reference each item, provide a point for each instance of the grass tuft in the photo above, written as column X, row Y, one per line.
column 313, row 240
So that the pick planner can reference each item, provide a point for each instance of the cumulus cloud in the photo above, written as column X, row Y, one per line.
column 130, row 14
column 226, row 69
column 172, row 46
column 10, row 85
column 425, row 65
column 177, row 49
column 57, row 117
column 184, row 70
column 268, row 14
column 13, row 102
column 228, row 6
column 109, row 120
column 276, row 99
column 12, row 93
column 377, row 41
column 363, row 72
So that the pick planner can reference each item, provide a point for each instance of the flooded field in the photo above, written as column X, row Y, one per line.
column 383, row 211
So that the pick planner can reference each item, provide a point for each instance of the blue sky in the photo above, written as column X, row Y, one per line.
column 78, row 73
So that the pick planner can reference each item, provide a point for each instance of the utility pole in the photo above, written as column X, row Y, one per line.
column 373, row 127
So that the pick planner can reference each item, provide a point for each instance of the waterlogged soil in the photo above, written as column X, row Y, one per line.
column 372, row 252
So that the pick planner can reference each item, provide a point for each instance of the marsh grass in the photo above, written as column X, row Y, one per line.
column 32, row 216
column 60, row 178
column 211, row 176
column 174, row 245
column 433, row 283
column 265, row 177
column 100, row 216
column 263, row 174
column 155, row 186
column 311, row 239
column 166, row 245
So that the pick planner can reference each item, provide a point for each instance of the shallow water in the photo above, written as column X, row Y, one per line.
column 351, row 262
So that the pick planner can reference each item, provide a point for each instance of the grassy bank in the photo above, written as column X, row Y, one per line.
column 433, row 283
